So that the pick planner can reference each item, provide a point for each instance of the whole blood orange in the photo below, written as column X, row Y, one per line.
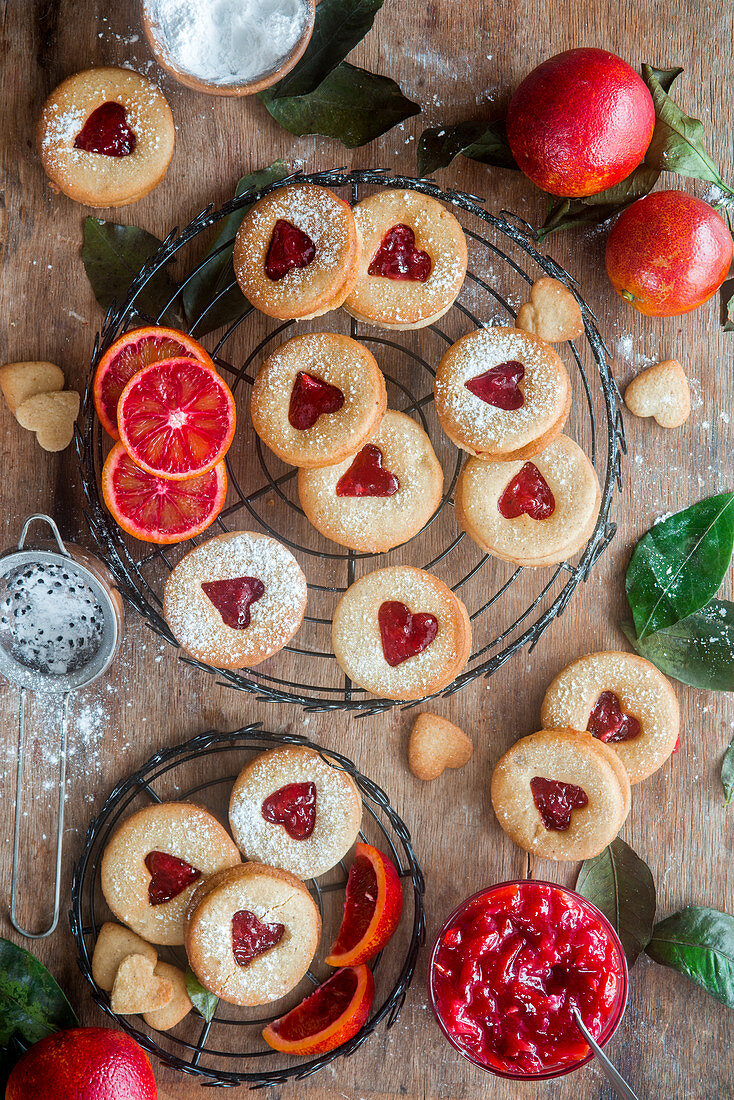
column 329, row 1017
column 156, row 509
column 580, row 122
column 176, row 418
column 372, row 908
column 668, row 253
column 87, row 1063
column 129, row 354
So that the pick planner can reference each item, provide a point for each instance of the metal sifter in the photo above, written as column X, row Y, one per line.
column 60, row 627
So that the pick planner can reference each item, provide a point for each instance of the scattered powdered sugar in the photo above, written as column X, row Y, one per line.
column 227, row 41
column 61, row 125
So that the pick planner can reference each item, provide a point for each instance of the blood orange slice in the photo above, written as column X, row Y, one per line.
column 329, row 1017
column 129, row 354
column 176, row 418
column 158, row 510
column 372, row 908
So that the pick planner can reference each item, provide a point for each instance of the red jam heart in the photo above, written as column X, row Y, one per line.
column 403, row 633
column 366, row 476
column 234, row 598
column 311, row 398
column 555, row 801
column 250, row 937
column 106, row 131
column 609, row 723
column 527, row 493
column 169, row 876
column 398, row 258
column 498, row 386
column 293, row 807
column 289, row 247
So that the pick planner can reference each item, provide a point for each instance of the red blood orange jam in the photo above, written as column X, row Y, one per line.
column 293, row 807
column 107, row 132
column 398, row 258
column 509, row 965
column 169, row 876
column 251, row 937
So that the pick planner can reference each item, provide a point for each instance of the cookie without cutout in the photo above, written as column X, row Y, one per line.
column 51, row 416
column 138, row 989
column 640, row 692
column 179, row 1006
column 552, row 313
column 436, row 744
column 115, row 943
column 662, row 392
column 18, row 381
column 586, row 768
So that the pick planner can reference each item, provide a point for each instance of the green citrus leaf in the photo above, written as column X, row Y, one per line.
column 619, row 883
column 488, row 144
column 699, row 943
column 32, row 1004
column 203, row 1001
column 201, row 294
column 340, row 25
column 727, row 773
column 666, row 77
column 727, row 305
column 677, row 567
column 352, row 105
column 698, row 651
column 113, row 255
column 676, row 144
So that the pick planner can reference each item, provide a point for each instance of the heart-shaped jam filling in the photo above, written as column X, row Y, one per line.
column 251, row 937
column 556, row 801
column 106, row 131
column 293, row 807
column 608, row 722
column 366, row 477
column 289, row 247
column 169, row 876
column 403, row 633
column 527, row 493
column 498, row 386
column 311, row 398
column 398, row 258
column 234, row 597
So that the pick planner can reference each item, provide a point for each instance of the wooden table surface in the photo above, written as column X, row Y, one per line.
column 458, row 60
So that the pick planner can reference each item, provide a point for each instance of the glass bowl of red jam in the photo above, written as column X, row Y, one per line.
column 509, row 965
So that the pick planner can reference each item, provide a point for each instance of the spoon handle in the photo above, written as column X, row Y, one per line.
column 621, row 1087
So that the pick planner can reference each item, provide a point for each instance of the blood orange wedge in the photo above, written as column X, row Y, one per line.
column 155, row 509
column 372, row 908
column 176, row 418
column 329, row 1017
column 129, row 354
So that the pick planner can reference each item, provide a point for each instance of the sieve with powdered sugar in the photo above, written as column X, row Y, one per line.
column 61, row 620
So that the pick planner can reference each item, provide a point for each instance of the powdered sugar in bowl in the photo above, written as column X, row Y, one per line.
column 228, row 47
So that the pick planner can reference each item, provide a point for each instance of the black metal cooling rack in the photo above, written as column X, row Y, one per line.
column 230, row 1051
column 509, row 607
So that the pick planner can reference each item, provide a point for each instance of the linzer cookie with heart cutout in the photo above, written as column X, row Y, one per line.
column 533, row 513
column 251, row 933
column 235, row 600
column 401, row 633
column 560, row 794
column 502, row 393
column 318, row 398
column 296, row 252
column 622, row 700
column 105, row 137
column 153, row 862
column 413, row 261
column 289, row 808
column 380, row 497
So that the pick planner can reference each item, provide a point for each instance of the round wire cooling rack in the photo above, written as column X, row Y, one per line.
column 229, row 1050
column 510, row 607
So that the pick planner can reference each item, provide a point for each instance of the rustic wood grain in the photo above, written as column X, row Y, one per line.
column 458, row 60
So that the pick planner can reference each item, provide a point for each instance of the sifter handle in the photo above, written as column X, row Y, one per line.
column 50, row 523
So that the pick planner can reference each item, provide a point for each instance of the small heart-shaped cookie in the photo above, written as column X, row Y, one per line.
column 19, row 381
column 138, row 989
column 435, row 744
column 552, row 313
column 51, row 416
column 662, row 392
column 115, row 943
column 163, row 1019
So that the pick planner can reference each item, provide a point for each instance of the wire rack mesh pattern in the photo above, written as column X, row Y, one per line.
column 509, row 607
column 229, row 1050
